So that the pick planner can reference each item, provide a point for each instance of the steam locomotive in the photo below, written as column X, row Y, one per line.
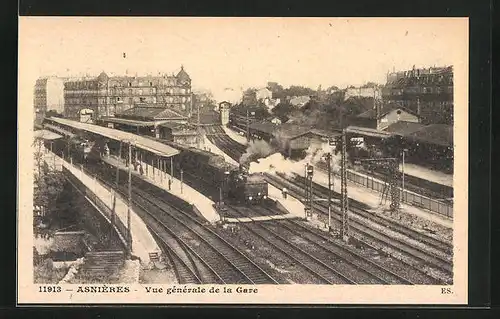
column 234, row 182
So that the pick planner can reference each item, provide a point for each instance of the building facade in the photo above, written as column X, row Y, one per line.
column 427, row 92
column 264, row 93
column 383, row 116
column 366, row 91
column 106, row 95
column 48, row 96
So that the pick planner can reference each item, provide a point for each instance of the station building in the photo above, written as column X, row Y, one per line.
column 107, row 95
column 155, row 121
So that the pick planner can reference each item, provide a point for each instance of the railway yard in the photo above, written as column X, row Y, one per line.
column 263, row 243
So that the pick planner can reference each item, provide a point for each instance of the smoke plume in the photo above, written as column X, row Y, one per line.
column 276, row 163
column 255, row 150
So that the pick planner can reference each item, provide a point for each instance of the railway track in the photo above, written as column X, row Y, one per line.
column 322, row 191
column 312, row 264
column 348, row 255
column 421, row 256
column 223, row 260
column 368, row 234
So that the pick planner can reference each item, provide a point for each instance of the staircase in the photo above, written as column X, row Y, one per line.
column 103, row 265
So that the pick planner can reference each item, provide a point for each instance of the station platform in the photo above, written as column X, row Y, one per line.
column 372, row 199
column 234, row 135
column 160, row 179
column 143, row 242
column 214, row 149
column 258, row 218
column 428, row 174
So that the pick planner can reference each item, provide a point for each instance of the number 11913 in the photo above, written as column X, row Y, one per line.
column 49, row 289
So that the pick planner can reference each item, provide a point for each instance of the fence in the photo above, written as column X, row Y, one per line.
column 108, row 212
column 407, row 197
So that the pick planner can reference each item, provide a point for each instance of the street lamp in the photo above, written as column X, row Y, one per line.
column 221, row 200
column 248, row 124
column 182, row 178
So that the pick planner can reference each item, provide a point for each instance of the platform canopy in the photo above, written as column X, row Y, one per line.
column 141, row 142
column 59, row 130
column 128, row 121
column 364, row 131
column 46, row 135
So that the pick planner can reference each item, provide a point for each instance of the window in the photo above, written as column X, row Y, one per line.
column 130, row 91
column 129, row 83
column 150, row 83
column 130, row 101
column 118, row 99
column 398, row 112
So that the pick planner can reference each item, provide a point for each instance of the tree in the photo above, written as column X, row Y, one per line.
column 249, row 97
column 48, row 183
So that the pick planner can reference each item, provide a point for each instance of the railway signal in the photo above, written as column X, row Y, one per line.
column 344, row 232
column 391, row 164
column 309, row 172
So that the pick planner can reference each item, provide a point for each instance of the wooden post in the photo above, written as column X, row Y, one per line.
column 129, row 204
column 153, row 168
column 117, row 166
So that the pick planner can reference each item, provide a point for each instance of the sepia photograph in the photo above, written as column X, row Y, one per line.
column 242, row 160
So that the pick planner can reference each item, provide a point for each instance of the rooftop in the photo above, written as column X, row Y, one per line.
column 151, row 113
column 46, row 135
column 128, row 121
column 140, row 141
column 384, row 110
column 368, row 132
column 439, row 134
column 404, row 128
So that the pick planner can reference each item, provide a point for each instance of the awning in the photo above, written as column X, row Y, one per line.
column 59, row 130
column 46, row 135
column 128, row 122
column 364, row 131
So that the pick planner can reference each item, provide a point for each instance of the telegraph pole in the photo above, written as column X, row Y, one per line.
column 328, row 160
column 344, row 232
column 199, row 127
column 248, row 126
column 129, row 196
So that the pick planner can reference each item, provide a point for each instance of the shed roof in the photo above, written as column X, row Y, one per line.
column 364, row 131
column 140, row 141
column 59, row 130
column 324, row 133
column 438, row 134
column 384, row 110
column 46, row 135
column 404, row 127
column 292, row 130
column 264, row 127
column 128, row 121
column 150, row 113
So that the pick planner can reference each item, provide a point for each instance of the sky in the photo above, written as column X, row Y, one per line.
column 237, row 53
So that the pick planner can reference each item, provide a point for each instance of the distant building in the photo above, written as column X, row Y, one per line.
column 262, row 94
column 276, row 121
column 224, row 108
column 299, row 101
column 363, row 91
column 48, row 95
column 383, row 116
column 106, row 95
column 271, row 103
column 427, row 92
